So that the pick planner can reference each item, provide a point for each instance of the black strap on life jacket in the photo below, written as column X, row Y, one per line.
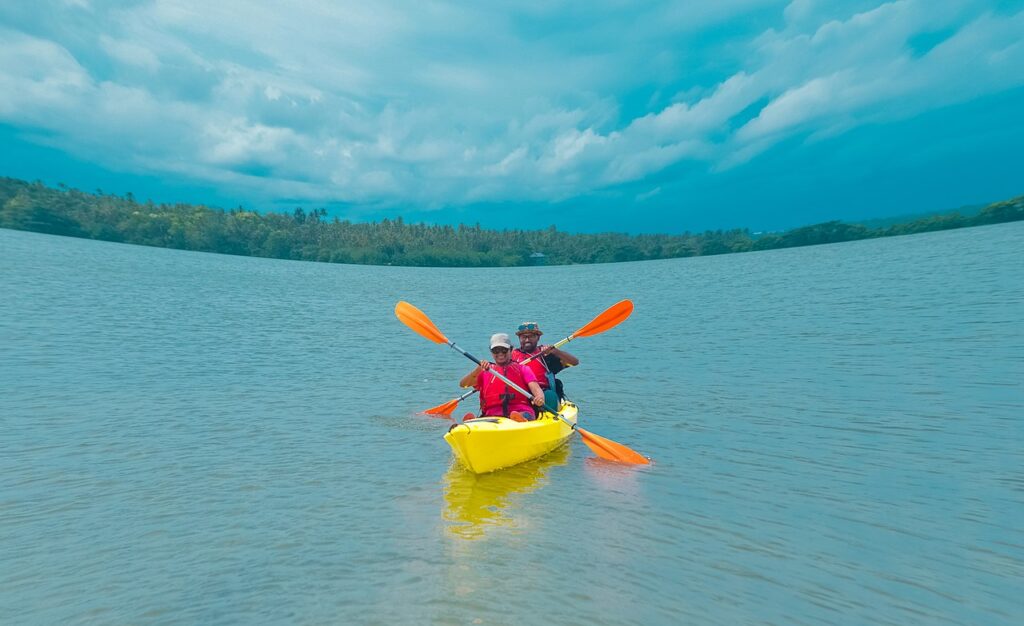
column 507, row 396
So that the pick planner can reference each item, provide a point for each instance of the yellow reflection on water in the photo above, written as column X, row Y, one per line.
column 476, row 502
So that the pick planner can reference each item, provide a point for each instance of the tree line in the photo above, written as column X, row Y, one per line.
column 311, row 236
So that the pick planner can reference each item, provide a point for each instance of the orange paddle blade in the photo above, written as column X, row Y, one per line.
column 612, row 317
column 443, row 410
column 419, row 322
column 611, row 450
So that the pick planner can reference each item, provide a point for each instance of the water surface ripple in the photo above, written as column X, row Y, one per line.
column 196, row 438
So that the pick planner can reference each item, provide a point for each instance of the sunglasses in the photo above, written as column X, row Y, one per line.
column 528, row 326
column 499, row 350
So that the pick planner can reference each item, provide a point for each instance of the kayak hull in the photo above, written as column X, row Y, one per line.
column 486, row 444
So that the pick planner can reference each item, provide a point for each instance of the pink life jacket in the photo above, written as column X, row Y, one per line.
column 492, row 390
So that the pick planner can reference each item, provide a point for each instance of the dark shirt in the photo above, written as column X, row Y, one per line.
column 554, row 363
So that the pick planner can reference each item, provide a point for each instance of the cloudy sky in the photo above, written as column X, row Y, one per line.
column 594, row 115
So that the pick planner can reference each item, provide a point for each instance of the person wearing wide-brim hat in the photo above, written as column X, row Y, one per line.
column 497, row 398
column 544, row 367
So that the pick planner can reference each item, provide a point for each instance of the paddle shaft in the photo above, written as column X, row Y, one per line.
column 548, row 350
column 464, row 396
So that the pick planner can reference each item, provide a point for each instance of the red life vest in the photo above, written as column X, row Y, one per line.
column 492, row 388
column 538, row 366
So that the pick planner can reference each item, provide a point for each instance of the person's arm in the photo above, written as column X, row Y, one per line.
column 470, row 379
column 538, row 393
column 567, row 359
column 531, row 383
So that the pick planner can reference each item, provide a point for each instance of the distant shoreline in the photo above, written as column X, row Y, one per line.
column 33, row 206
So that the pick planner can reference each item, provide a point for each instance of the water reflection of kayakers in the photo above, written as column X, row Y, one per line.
column 544, row 368
column 476, row 502
column 496, row 397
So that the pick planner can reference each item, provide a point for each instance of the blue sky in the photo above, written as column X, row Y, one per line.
column 593, row 116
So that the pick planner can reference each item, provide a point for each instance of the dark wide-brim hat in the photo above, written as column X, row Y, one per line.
column 529, row 327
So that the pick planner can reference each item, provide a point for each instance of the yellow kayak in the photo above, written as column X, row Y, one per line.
column 485, row 444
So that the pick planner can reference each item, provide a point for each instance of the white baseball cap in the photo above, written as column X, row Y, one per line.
column 500, row 340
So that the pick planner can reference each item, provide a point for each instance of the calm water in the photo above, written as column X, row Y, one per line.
column 193, row 438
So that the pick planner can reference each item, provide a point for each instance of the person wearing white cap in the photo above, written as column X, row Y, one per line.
column 496, row 397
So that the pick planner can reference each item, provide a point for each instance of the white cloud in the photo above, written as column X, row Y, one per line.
column 861, row 70
column 512, row 161
column 239, row 142
column 635, row 165
column 439, row 103
column 798, row 105
column 647, row 195
column 568, row 146
column 38, row 77
column 130, row 53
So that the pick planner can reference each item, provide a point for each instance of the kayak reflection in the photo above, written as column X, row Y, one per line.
column 476, row 502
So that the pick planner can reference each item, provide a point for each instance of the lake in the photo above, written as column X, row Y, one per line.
column 191, row 438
